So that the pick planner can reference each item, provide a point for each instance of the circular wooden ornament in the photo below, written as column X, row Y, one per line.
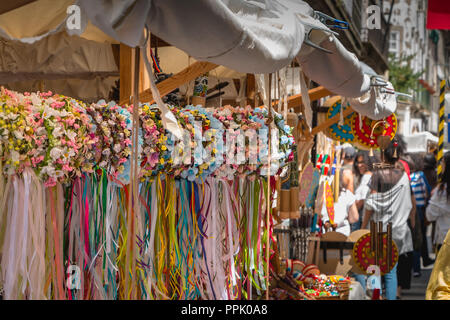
column 342, row 133
column 364, row 257
column 363, row 138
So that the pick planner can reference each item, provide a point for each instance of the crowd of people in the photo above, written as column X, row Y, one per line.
column 406, row 192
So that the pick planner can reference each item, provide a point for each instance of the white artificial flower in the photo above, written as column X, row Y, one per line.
column 57, row 132
column 71, row 135
column 49, row 170
column 35, row 99
column 67, row 154
column 59, row 173
column 41, row 131
column 56, row 153
column 15, row 156
column 63, row 113
column 18, row 134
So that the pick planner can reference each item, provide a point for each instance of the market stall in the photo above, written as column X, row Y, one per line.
column 143, row 199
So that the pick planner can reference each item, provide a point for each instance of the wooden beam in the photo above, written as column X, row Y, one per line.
column 251, row 89
column 324, row 125
column 7, row 6
column 125, row 73
column 314, row 94
column 296, row 101
column 177, row 80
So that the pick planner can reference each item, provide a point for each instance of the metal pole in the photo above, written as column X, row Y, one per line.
column 441, row 129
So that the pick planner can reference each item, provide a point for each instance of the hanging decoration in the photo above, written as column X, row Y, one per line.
column 342, row 132
column 366, row 131
column 364, row 256
column 200, row 226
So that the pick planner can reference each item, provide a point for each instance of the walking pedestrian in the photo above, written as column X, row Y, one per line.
column 390, row 201
column 362, row 169
column 421, row 190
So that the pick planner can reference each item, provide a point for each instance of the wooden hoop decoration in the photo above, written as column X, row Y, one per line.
column 342, row 133
column 365, row 257
column 329, row 202
column 367, row 133
column 306, row 179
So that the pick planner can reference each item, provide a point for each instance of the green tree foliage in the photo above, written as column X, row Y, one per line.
column 402, row 76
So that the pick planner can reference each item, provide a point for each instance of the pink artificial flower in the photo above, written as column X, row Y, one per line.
column 51, row 182
column 26, row 93
column 57, row 105
column 127, row 141
column 66, row 167
column 76, row 125
column 122, row 160
column 36, row 160
column 70, row 121
column 153, row 159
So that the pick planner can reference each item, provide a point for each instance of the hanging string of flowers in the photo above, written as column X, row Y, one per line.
column 61, row 138
column 65, row 183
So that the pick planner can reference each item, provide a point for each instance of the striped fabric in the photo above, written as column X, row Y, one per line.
column 419, row 188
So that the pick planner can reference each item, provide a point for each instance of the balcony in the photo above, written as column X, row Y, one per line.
column 376, row 44
column 366, row 44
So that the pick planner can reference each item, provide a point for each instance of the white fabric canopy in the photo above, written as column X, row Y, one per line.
column 339, row 72
column 253, row 36
column 249, row 36
column 375, row 104
column 256, row 36
column 418, row 142
column 58, row 55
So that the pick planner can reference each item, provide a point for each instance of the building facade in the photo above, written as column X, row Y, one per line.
column 408, row 36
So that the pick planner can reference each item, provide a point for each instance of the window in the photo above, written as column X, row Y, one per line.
column 394, row 42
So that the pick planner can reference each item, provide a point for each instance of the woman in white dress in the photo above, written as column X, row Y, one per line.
column 390, row 201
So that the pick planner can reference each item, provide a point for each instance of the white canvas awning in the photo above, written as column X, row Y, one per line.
column 418, row 142
column 251, row 36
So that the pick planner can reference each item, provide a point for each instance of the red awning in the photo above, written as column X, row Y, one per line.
column 438, row 14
